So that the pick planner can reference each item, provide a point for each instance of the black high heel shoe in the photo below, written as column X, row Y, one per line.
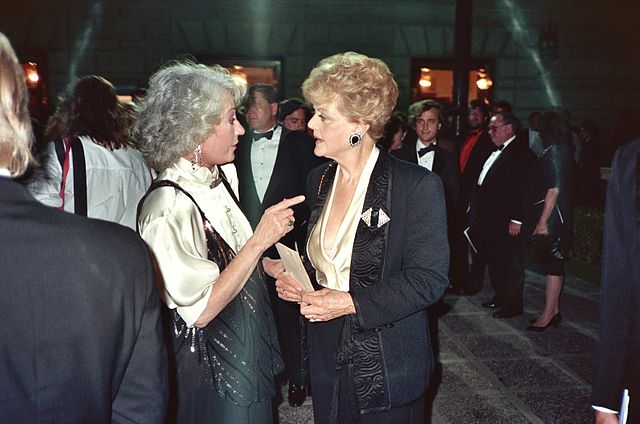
column 554, row 322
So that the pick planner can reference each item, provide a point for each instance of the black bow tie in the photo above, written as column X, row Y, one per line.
column 500, row 147
column 257, row 136
column 425, row 150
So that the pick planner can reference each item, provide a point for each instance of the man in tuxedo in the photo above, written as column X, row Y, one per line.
column 292, row 114
column 475, row 150
column 618, row 348
column 80, row 339
column 273, row 164
column 497, row 210
column 427, row 119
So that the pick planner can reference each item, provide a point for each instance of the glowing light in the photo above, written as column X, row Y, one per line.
column 517, row 23
column 425, row 81
column 82, row 44
column 484, row 81
column 31, row 74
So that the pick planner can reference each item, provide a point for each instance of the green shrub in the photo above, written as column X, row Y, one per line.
column 588, row 224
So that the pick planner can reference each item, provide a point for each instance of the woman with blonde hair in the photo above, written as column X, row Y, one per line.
column 377, row 248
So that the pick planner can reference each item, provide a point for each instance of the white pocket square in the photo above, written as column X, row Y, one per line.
column 375, row 217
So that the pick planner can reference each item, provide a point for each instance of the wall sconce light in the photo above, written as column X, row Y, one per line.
column 31, row 74
column 484, row 81
column 425, row 81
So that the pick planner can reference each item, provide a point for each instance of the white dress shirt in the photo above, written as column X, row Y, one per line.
column 172, row 227
column 263, row 159
column 426, row 161
column 116, row 181
column 4, row 172
column 491, row 159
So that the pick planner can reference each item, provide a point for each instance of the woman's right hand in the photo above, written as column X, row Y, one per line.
column 542, row 229
column 276, row 221
column 288, row 288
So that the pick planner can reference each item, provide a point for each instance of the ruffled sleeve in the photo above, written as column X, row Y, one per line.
column 172, row 227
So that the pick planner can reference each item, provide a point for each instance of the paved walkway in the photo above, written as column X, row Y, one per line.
column 494, row 371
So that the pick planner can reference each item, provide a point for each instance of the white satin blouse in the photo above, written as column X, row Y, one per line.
column 333, row 266
column 172, row 227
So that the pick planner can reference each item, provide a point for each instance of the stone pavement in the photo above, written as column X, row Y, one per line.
column 494, row 371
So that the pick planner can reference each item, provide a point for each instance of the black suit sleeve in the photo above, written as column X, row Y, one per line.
column 304, row 146
column 518, row 181
column 451, row 178
column 142, row 395
column 617, row 348
column 422, row 277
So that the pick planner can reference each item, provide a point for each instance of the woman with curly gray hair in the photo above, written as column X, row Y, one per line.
column 222, row 334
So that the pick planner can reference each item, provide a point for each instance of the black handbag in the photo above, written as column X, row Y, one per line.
column 545, row 249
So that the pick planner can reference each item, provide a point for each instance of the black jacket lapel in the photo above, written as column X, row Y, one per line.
column 438, row 163
column 283, row 155
column 369, row 246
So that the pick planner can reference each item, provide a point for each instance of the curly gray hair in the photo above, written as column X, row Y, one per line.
column 181, row 107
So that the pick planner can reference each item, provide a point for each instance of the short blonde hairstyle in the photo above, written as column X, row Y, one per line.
column 16, row 133
column 363, row 88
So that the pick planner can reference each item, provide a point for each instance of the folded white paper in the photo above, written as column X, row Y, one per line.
column 293, row 265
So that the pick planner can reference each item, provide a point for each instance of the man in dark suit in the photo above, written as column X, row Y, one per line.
column 618, row 348
column 273, row 164
column 476, row 148
column 80, row 339
column 497, row 210
column 427, row 118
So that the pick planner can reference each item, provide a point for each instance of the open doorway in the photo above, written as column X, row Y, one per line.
column 433, row 79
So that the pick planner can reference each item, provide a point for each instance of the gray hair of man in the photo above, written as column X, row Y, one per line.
column 509, row 118
column 180, row 109
column 16, row 132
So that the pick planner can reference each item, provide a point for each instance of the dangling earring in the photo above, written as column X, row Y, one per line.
column 197, row 161
column 354, row 139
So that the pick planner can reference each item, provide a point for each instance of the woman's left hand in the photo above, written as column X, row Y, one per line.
column 326, row 304
column 542, row 229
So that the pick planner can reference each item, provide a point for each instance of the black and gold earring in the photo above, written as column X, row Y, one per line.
column 355, row 139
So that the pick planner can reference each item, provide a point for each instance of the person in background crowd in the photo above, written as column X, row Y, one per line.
column 475, row 150
column 429, row 121
column 273, row 164
column 589, row 188
column 394, row 133
column 618, row 350
column 377, row 248
column 502, row 106
column 58, row 124
column 292, row 114
column 94, row 170
column 574, row 139
column 222, row 334
column 550, row 210
column 531, row 135
column 81, row 340
column 497, row 213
